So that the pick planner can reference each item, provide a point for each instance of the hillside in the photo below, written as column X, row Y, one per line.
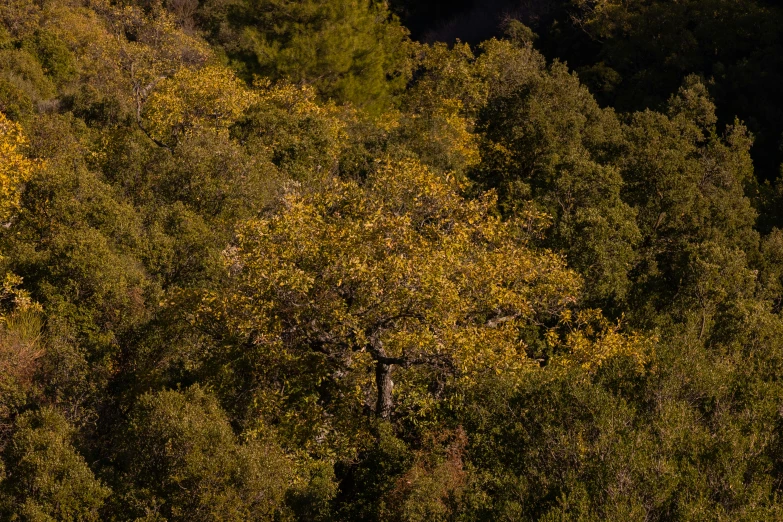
column 412, row 261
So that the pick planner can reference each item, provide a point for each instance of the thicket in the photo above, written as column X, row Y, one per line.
column 274, row 260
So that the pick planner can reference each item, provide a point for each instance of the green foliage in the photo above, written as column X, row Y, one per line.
column 650, row 47
column 688, row 185
column 23, row 83
column 46, row 478
column 320, row 272
column 187, row 464
column 349, row 50
column 548, row 145
column 301, row 137
column 374, row 476
column 55, row 57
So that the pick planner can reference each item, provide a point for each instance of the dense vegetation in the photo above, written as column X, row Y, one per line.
column 274, row 260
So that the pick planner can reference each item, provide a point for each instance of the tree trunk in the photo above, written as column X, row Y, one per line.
column 385, row 385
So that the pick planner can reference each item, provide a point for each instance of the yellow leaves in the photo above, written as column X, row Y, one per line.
column 119, row 53
column 15, row 168
column 211, row 98
column 20, row 299
column 440, row 133
column 480, row 351
column 402, row 268
column 299, row 100
column 591, row 340
column 605, row 17
column 303, row 136
column 532, row 220
column 450, row 132
column 403, row 259
column 156, row 45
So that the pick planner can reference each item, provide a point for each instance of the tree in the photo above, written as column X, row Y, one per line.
column 185, row 462
column 20, row 321
column 20, row 350
column 437, row 120
column 647, row 49
column 210, row 98
column 15, row 167
column 401, row 272
column 548, row 144
column 301, row 137
column 48, row 479
column 351, row 51
column 687, row 184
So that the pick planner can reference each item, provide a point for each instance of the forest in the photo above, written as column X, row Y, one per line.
column 348, row 260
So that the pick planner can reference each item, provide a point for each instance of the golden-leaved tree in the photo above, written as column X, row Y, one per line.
column 208, row 98
column 400, row 272
column 15, row 167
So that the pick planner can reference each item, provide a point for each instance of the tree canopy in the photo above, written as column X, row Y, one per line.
column 274, row 260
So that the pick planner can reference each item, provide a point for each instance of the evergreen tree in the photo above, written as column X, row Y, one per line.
column 350, row 51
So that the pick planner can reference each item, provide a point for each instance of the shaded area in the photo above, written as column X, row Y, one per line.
column 635, row 55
